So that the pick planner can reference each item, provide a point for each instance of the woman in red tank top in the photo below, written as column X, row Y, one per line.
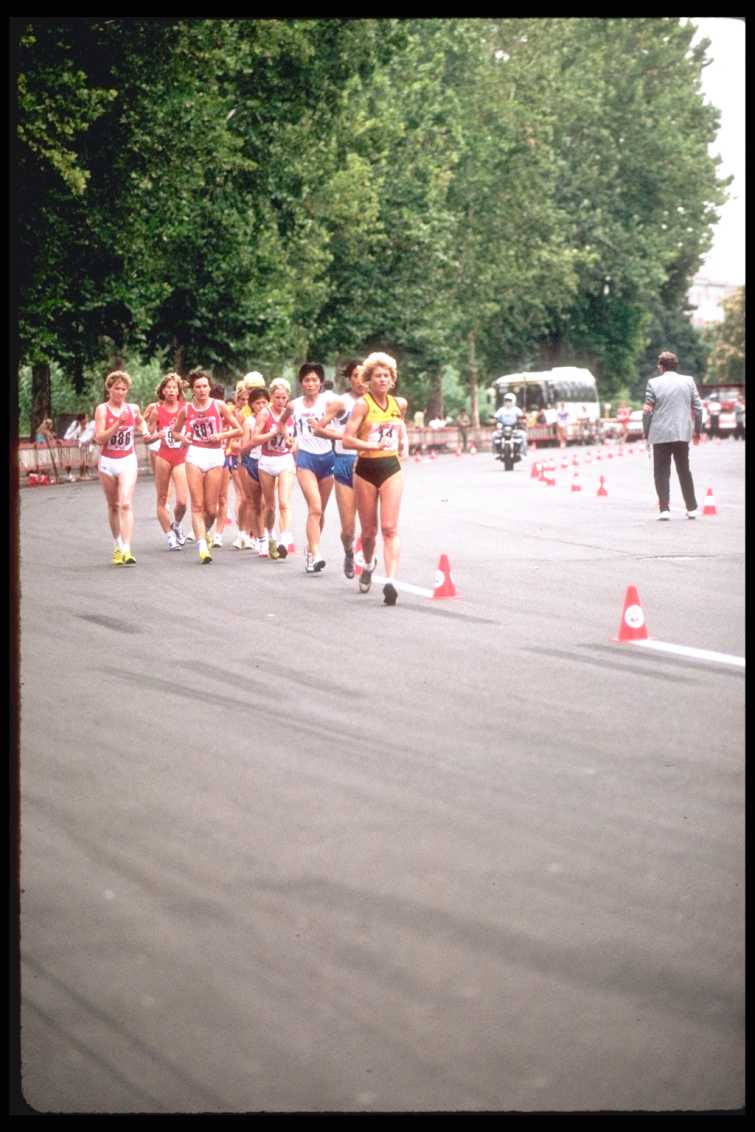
column 170, row 458
column 205, row 423
column 115, row 421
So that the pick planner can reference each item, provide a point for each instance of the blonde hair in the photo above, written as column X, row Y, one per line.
column 279, row 383
column 117, row 375
column 252, row 380
column 372, row 361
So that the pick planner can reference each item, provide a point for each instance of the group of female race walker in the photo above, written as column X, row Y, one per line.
column 263, row 441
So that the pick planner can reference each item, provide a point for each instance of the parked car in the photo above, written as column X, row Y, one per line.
column 634, row 425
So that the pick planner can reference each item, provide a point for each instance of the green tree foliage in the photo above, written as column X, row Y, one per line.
column 481, row 194
column 727, row 356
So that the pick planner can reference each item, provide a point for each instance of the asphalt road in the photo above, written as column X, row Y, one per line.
column 284, row 848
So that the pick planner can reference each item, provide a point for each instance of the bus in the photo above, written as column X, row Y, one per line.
column 546, row 389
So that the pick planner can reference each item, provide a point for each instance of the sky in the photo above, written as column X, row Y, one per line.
column 724, row 86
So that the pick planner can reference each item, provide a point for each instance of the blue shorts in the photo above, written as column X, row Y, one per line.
column 232, row 463
column 251, row 466
column 343, row 469
column 320, row 463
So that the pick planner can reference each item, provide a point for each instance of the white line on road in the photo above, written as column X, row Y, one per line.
column 699, row 654
column 407, row 587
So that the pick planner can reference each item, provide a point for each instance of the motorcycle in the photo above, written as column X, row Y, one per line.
column 507, row 446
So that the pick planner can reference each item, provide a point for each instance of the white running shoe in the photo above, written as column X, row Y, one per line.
column 173, row 541
column 663, row 517
column 238, row 542
column 365, row 578
column 263, row 548
column 692, row 514
column 217, row 540
column 180, row 536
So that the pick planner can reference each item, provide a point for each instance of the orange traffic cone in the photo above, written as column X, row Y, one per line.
column 458, row 450
column 418, row 457
column 710, row 503
column 588, row 458
column 550, row 475
column 433, row 454
column 576, row 484
column 535, row 472
column 473, row 448
column 602, row 487
column 632, row 626
column 444, row 579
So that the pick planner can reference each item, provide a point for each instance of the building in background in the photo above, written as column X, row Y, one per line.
column 706, row 296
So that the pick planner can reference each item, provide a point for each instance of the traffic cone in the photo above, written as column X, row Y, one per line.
column 444, row 579
column 291, row 548
column 575, row 483
column 550, row 475
column 358, row 557
column 632, row 626
column 473, row 449
column 433, row 454
column 542, row 473
column 710, row 503
column 588, row 458
column 575, row 460
column 418, row 457
column 602, row 488
column 564, row 464
column 535, row 472
column 598, row 456
column 458, row 450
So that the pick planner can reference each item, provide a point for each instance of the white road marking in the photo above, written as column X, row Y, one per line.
column 407, row 587
column 699, row 654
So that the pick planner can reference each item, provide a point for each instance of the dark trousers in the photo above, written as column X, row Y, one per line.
column 662, row 454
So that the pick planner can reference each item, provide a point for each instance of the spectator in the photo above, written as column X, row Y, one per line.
column 714, row 409
column 73, row 432
column 86, row 440
column 562, row 424
column 671, row 400
column 622, row 420
column 463, row 421
column 739, row 416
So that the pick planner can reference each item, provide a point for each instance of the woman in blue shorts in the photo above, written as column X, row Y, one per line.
column 332, row 426
column 314, row 458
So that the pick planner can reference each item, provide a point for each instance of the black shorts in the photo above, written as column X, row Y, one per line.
column 378, row 469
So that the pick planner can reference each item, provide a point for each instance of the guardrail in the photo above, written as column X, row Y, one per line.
column 63, row 459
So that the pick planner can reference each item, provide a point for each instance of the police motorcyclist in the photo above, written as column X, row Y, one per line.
column 510, row 414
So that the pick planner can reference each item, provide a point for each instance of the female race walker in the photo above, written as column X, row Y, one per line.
column 115, row 421
column 250, row 463
column 314, row 457
column 377, row 431
column 205, row 423
column 332, row 425
column 276, row 469
column 170, row 458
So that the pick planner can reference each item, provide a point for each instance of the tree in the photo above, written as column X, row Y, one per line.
column 727, row 357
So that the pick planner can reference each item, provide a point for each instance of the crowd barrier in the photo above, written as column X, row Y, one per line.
column 63, row 458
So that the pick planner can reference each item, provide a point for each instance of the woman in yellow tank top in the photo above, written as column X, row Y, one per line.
column 377, row 431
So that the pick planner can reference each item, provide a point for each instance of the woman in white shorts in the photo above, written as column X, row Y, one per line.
column 205, row 423
column 274, row 432
column 115, row 421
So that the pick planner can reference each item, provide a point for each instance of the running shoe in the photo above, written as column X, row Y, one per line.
column 282, row 550
column 250, row 544
column 263, row 548
column 238, row 543
column 309, row 563
column 128, row 558
column 180, row 536
column 217, row 540
column 205, row 557
column 365, row 578
column 390, row 594
column 273, row 548
column 348, row 563
column 117, row 559
column 664, row 517
column 319, row 565
column 173, row 543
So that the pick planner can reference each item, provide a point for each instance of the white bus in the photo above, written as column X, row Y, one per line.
column 547, row 389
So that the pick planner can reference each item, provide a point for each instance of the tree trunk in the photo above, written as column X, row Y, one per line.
column 178, row 359
column 435, row 400
column 41, row 394
column 474, row 399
